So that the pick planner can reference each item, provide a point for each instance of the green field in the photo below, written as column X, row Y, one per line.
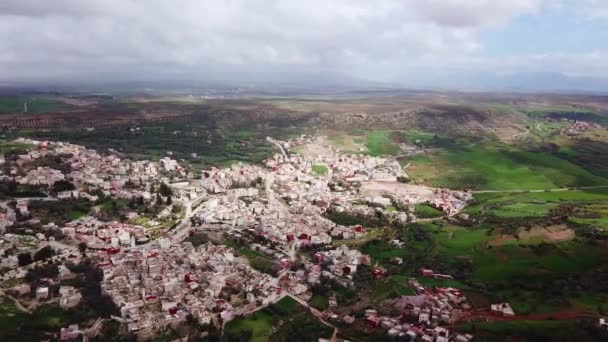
column 427, row 211
column 47, row 319
column 524, row 210
column 318, row 301
column 537, row 204
column 259, row 324
column 535, row 278
column 296, row 324
column 14, row 104
column 256, row 260
column 391, row 287
column 512, row 262
column 319, row 169
column 383, row 251
column 379, row 143
column 454, row 242
column 8, row 147
column 10, row 316
column 498, row 167
column 542, row 330
column 114, row 204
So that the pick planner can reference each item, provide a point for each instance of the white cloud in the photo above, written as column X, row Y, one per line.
column 376, row 39
column 597, row 9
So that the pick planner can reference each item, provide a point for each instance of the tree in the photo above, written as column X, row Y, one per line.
column 62, row 185
column 44, row 253
column 45, row 271
column 24, row 259
column 159, row 200
column 82, row 247
column 198, row 239
column 169, row 200
column 165, row 190
column 403, row 179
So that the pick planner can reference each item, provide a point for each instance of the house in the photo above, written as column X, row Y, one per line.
column 70, row 296
column 425, row 272
column 372, row 321
column 42, row 293
column 378, row 273
column 69, row 333
column 503, row 309
column 332, row 302
column 424, row 318
column 318, row 257
column 348, row 319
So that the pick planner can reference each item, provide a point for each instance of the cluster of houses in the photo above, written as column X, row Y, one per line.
column 340, row 263
column 277, row 208
column 577, row 127
column 423, row 317
column 87, row 170
column 67, row 296
column 41, row 176
column 162, row 284
column 98, row 234
column 286, row 202
column 450, row 202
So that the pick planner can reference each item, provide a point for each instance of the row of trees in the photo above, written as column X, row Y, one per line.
column 44, row 253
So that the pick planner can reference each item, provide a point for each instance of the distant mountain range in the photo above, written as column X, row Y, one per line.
column 246, row 81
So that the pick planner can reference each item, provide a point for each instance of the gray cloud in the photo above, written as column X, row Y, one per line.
column 381, row 40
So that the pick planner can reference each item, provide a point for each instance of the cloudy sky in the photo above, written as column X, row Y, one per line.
column 442, row 43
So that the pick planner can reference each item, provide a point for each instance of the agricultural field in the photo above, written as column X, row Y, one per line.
column 10, row 317
column 40, row 325
column 522, row 273
column 532, row 204
column 427, row 211
column 15, row 104
column 200, row 145
column 593, row 215
column 9, row 147
column 258, row 327
column 348, row 143
column 527, row 269
column 285, row 319
column 495, row 166
column 379, row 143
column 534, row 330
column 256, row 260
column 535, row 234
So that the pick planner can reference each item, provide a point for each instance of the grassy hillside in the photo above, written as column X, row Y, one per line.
column 498, row 167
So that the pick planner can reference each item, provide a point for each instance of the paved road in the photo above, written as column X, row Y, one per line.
column 279, row 145
column 318, row 315
column 180, row 233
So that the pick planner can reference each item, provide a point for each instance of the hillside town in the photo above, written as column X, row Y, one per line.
column 137, row 220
